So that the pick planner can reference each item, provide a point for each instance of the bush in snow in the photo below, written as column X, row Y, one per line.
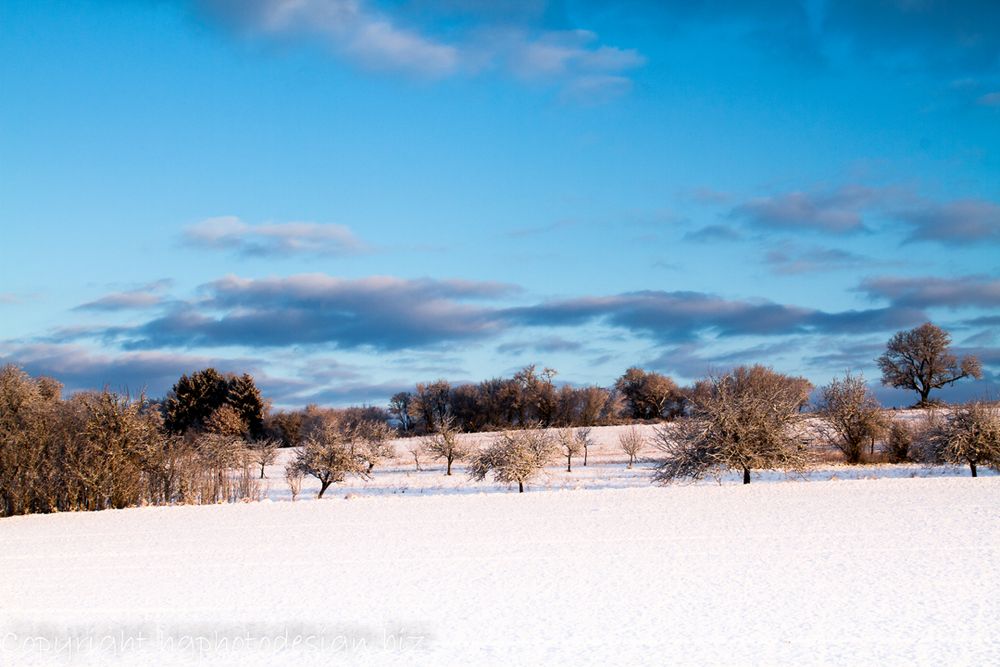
column 899, row 443
column 744, row 420
column 514, row 456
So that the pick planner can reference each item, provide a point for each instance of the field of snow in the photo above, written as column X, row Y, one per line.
column 885, row 571
column 845, row 565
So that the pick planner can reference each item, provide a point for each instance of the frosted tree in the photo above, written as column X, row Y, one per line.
column 743, row 420
column 970, row 435
column 631, row 442
column 583, row 437
column 514, row 457
column 569, row 445
column 264, row 452
column 445, row 444
column 328, row 456
column 371, row 441
column 852, row 417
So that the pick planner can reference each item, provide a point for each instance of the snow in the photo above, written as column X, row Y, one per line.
column 834, row 571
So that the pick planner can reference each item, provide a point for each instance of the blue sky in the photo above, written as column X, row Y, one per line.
column 346, row 197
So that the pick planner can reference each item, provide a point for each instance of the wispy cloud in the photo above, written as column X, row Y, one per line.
column 958, row 222
column 931, row 292
column 146, row 296
column 836, row 211
column 478, row 38
column 271, row 239
column 789, row 259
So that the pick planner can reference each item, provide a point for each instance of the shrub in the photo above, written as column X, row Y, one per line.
column 899, row 443
column 852, row 417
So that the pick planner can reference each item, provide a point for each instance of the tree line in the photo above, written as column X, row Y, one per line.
column 213, row 436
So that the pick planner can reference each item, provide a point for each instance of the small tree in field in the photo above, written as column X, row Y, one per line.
column 264, row 452
column 514, row 456
column 328, row 456
column 970, row 435
column 444, row 444
column 852, row 416
column 744, row 420
column 415, row 447
column 631, row 442
column 293, row 476
column 583, row 437
column 921, row 360
column 370, row 440
column 570, row 446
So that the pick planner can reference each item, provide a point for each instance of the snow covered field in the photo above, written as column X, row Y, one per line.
column 890, row 571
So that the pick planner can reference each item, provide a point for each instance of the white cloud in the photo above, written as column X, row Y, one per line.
column 231, row 233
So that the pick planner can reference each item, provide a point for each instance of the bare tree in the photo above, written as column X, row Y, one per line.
column 969, row 435
column 513, row 456
column 852, row 417
column 445, row 444
column 264, row 451
column 631, row 442
column 370, row 440
column 293, row 476
column 744, row 421
column 415, row 447
column 921, row 360
column 399, row 407
column 570, row 445
column 583, row 437
column 328, row 456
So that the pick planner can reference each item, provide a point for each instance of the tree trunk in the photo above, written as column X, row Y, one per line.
column 972, row 466
column 520, row 486
column 569, row 464
column 449, row 466
column 746, row 475
column 323, row 486
column 585, row 457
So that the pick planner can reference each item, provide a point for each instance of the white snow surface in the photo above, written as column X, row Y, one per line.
column 848, row 565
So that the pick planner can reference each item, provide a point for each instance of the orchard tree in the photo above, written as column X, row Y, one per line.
column 851, row 416
column 921, row 360
column 328, row 455
column 970, row 435
column 743, row 420
column 570, row 446
column 631, row 441
column 445, row 444
column 514, row 456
